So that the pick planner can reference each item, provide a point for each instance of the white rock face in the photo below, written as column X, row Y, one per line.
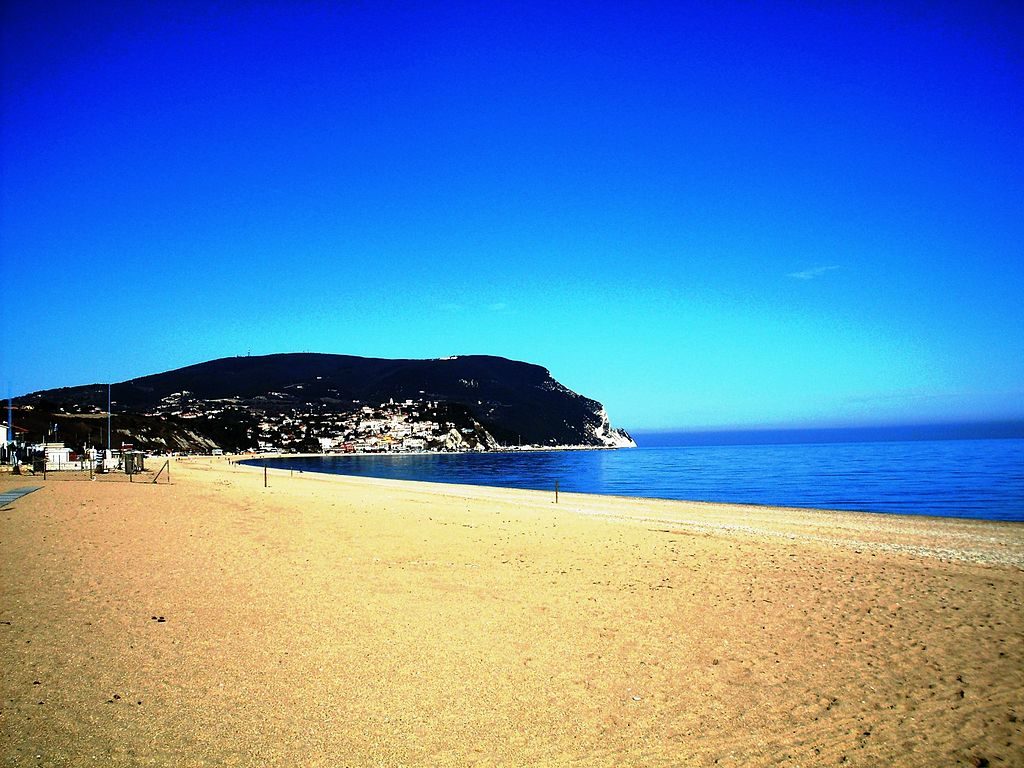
column 453, row 441
column 611, row 437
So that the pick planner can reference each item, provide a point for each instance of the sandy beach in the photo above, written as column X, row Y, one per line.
column 330, row 621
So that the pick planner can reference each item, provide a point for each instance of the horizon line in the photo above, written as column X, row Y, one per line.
column 995, row 429
column 775, row 427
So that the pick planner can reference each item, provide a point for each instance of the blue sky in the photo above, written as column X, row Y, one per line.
column 702, row 214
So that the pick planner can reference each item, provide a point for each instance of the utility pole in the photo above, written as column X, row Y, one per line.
column 10, row 426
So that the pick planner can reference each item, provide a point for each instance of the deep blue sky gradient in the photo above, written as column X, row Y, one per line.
column 702, row 214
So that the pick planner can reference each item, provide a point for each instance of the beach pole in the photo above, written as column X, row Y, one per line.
column 556, row 491
column 264, row 473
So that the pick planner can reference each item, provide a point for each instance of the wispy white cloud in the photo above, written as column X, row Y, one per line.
column 454, row 307
column 813, row 272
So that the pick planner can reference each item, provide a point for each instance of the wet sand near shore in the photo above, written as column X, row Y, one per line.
column 327, row 621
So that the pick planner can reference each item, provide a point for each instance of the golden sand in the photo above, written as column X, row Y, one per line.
column 329, row 621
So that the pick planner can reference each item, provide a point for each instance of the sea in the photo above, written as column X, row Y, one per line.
column 980, row 478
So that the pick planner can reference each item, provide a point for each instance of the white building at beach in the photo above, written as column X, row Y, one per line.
column 57, row 456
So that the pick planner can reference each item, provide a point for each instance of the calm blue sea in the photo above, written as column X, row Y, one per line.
column 950, row 478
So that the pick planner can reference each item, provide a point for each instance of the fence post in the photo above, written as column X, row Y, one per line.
column 167, row 466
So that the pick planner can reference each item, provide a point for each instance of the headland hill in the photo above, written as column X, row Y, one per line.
column 323, row 403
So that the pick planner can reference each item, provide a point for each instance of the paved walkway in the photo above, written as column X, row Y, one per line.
column 12, row 495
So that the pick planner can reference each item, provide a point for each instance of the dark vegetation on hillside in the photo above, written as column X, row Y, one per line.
column 219, row 403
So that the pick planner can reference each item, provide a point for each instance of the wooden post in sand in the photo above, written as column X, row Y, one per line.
column 556, row 491
column 167, row 466
column 264, row 473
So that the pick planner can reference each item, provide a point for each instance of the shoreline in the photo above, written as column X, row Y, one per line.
column 917, row 533
column 251, row 461
column 332, row 619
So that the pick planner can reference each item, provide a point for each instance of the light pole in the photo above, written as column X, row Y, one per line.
column 10, row 426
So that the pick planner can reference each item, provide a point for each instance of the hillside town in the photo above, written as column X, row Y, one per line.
column 393, row 427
